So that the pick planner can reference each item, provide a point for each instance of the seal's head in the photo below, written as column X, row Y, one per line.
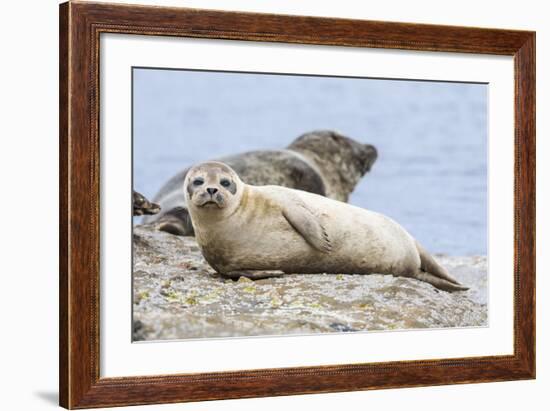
column 342, row 160
column 212, row 186
column 142, row 206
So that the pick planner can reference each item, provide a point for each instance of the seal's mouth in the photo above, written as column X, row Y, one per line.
column 152, row 209
column 210, row 204
column 145, row 208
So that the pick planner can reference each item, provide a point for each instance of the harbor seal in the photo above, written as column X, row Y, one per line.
column 242, row 229
column 322, row 162
column 142, row 206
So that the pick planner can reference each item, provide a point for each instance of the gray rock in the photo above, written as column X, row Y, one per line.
column 177, row 295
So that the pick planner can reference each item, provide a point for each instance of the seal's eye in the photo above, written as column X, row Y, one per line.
column 225, row 183
column 198, row 182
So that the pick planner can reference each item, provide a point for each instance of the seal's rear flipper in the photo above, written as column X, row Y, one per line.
column 432, row 272
column 176, row 221
column 438, row 282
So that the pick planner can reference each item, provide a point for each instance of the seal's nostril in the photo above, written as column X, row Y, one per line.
column 212, row 190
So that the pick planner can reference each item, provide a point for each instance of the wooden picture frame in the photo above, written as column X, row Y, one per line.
column 80, row 27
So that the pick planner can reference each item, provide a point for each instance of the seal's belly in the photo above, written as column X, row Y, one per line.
column 285, row 250
column 268, row 248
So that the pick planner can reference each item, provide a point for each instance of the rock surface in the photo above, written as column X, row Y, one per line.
column 177, row 295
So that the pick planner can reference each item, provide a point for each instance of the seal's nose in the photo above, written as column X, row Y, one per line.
column 212, row 190
column 368, row 157
column 371, row 151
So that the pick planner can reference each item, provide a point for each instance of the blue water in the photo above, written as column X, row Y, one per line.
column 431, row 174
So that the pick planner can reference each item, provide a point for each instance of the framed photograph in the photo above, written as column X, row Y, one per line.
column 260, row 205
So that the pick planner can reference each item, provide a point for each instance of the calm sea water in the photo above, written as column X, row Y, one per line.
column 431, row 174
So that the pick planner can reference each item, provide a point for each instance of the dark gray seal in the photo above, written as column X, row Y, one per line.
column 321, row 162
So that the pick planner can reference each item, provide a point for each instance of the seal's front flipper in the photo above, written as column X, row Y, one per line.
column 253, row 275
column 308, row 225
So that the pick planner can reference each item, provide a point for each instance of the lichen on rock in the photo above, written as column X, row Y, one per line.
column 177, row 295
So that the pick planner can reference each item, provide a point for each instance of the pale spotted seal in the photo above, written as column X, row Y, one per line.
column 242, row 229
column 321, row 162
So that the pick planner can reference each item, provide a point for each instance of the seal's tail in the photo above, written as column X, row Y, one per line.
column 433, row 273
